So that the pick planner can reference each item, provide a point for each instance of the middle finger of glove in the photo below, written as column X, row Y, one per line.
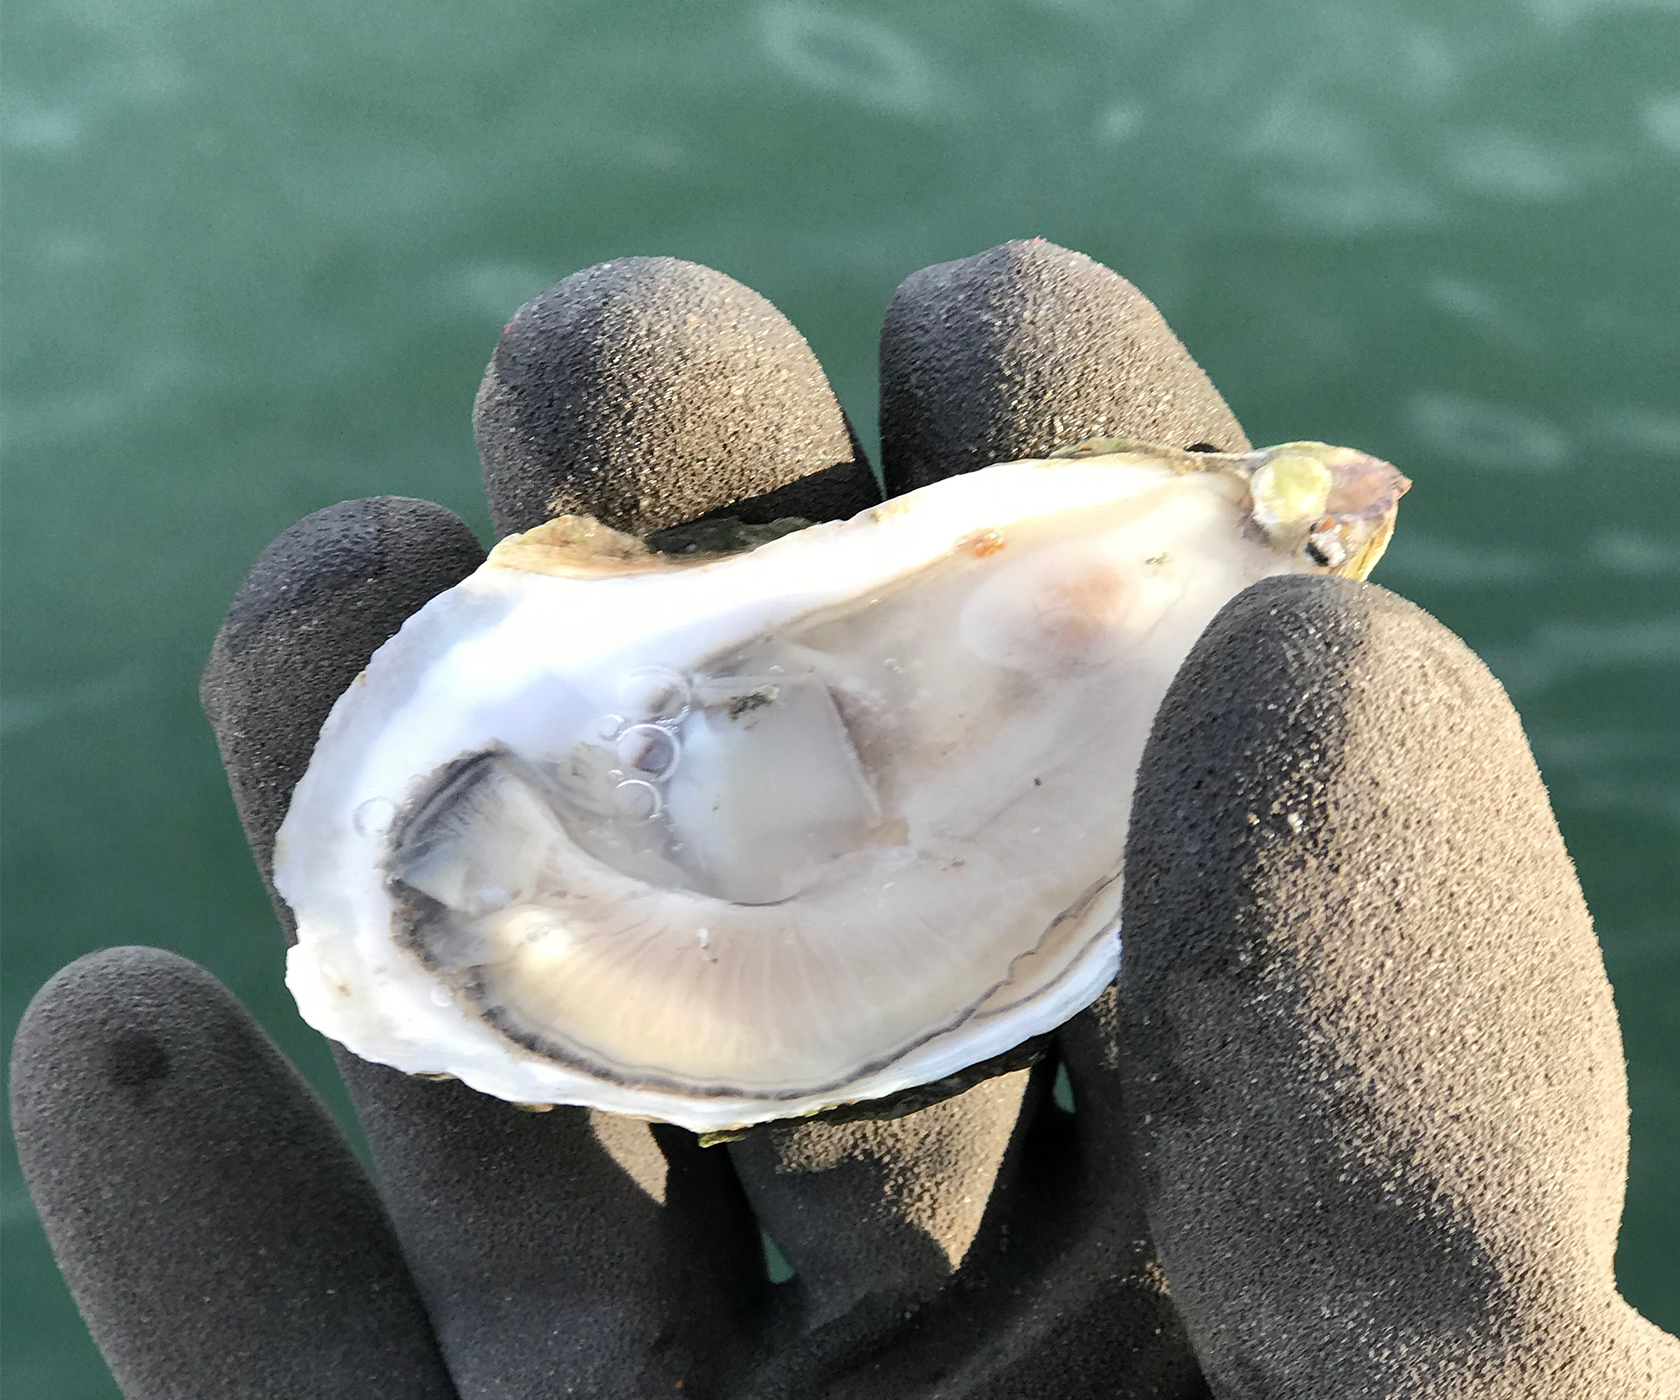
column 988, row 1239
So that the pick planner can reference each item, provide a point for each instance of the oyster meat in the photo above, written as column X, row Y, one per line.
column 717, row 839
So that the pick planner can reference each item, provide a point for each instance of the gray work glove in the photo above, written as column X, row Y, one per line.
column 1358, row 1095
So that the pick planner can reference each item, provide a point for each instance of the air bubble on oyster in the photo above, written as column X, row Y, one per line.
column 721, row 839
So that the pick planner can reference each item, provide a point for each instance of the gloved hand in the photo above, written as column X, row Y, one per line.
column 1358, row 1094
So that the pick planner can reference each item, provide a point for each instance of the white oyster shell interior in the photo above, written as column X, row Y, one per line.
column 741, row 839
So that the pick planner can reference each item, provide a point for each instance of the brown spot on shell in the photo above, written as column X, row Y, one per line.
column 981, row 543
column 1078, row 608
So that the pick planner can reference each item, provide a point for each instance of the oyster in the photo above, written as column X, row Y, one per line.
column 726, row 838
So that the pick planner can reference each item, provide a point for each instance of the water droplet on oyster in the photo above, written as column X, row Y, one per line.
column 649, row 751
column 374, row 816
column 727, row 839
column 655, row 693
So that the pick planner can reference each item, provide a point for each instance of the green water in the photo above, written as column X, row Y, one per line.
column 256, row 257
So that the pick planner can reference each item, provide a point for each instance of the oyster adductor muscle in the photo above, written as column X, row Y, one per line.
column 722, row 839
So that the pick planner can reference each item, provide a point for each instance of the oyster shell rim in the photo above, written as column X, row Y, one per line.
column 1079, row 984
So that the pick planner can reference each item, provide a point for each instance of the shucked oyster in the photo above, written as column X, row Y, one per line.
column 730, row 838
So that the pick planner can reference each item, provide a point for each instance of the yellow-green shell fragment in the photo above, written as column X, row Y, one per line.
column 1291, row 489
column 724, row 838
column 1336, row 504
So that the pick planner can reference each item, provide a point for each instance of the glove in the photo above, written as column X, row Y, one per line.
column 1368, row 1047
column 1357, row 1094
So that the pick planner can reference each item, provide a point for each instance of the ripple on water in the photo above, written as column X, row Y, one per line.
column 1563, row 14
column 1325, row 170
column 1117, row 123
column 42, row 130
column 1511, row 164
column 1419, row 558
column 1481, row 434
column 849, row 56
column 20, row 713
column 1560, row 651
column 1477, row 306
column 1632, row 554
column 493, row 290
column 1661, row 120
column 1644, row 430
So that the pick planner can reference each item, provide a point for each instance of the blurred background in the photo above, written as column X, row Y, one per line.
column 257, row 257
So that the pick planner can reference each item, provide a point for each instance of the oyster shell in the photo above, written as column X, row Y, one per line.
column 722, row 839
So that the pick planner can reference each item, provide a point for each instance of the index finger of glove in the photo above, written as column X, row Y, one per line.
column 641, row 392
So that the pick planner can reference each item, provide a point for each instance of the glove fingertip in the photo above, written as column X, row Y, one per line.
column 1369, row 1048
column 315, row 606
column 650, row 393
column 213, row 1225
column 399, row 539
column 1027, row 347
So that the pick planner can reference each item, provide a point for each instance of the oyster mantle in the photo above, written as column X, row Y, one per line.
column 718, row 839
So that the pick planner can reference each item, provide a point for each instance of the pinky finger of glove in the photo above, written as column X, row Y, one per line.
column 217, row 1232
